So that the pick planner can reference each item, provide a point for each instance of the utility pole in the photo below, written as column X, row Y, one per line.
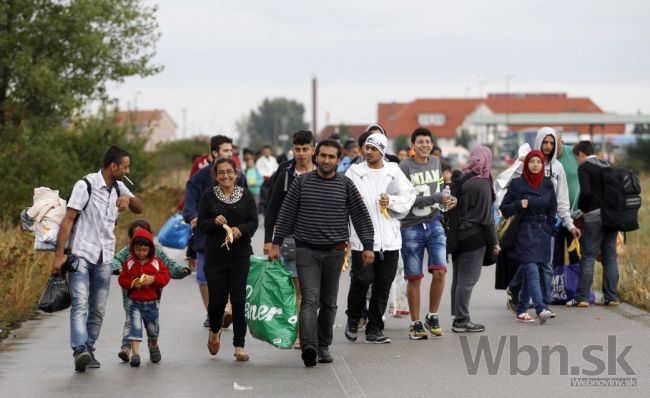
column 314, row 112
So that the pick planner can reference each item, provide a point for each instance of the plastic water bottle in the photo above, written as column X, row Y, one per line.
column 446, row 193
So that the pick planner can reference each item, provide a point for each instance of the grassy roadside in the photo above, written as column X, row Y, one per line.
column 24, row 272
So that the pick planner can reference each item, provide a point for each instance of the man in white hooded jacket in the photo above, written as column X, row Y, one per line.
column 546, row 141
column 388, row 196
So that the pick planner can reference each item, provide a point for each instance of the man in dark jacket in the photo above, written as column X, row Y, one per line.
column 302, row 162
column 595, row 238
column 220, row 147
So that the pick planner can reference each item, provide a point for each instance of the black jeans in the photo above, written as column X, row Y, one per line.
column 319, row 273
column 380, row 274
column 223, row 280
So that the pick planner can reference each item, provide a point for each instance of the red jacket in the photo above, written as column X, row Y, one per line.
column 133, row 268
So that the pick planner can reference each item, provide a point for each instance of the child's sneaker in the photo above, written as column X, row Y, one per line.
column 135, row 360
column 525, row 318
column 417, row 332
column 154, row 354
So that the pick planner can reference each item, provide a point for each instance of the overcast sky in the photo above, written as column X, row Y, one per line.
column 222, row 58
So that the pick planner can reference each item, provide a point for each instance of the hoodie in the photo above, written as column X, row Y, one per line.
column 134, row 268
column 555, row 171
column 401, row 196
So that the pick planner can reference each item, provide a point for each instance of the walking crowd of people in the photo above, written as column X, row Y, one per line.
column 329, row 202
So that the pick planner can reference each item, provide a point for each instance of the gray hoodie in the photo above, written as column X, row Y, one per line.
column 555, row 171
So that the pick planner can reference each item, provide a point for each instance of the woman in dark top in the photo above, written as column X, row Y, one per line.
column 476, row 235
column 533, row 195
column 226, row 266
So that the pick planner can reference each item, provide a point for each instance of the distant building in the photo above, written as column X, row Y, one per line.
column 158, row 122
column 445, row 117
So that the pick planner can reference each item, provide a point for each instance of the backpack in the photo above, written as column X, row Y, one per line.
column 621, row 199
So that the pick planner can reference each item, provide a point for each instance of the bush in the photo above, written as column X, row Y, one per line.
column 59, row 157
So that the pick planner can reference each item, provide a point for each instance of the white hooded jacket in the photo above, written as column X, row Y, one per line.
column 401, row 196
column 555, row 170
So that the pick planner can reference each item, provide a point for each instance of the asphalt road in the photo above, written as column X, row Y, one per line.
column 37, row 360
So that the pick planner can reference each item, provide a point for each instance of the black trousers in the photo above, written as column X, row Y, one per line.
column 223, row 280
column 380, row 274
column 563, row 239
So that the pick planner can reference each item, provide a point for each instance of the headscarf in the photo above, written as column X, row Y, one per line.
column 533, row 179
column 480, row 162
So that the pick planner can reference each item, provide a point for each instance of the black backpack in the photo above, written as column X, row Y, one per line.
column 621, row 199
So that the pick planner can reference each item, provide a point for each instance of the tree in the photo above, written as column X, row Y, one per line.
column 272, row 119
column 56, row 56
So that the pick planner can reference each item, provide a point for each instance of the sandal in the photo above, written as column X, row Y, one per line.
column 241, row 356
column 214, row 347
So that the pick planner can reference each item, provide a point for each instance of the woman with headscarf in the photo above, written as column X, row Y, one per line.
column 476, row 235
column 533, row 195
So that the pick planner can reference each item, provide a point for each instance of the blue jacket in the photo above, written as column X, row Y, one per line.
column 194, row 188
column 533, row 244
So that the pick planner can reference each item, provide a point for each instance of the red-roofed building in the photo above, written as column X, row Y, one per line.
column 159, row 122
column 445, row 116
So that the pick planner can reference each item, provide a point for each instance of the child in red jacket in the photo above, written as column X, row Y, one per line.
column 143, row 276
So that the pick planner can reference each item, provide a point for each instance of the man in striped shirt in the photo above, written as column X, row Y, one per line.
column 317, row 210
column 89, row 223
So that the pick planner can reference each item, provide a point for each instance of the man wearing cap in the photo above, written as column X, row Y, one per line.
column 421, row 228
column 388, row 196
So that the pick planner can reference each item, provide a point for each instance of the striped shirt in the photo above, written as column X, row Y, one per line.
column 93, row 238
column 317, row 211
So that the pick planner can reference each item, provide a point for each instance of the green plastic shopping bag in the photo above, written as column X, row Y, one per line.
column 270, row 307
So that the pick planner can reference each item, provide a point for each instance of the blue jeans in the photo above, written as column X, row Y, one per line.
column 594, row 239
column 531, row 288
column 147, row 312
column 546, row 279
column 89, row 286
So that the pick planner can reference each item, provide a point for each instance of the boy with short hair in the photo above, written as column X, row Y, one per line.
column 144, row 276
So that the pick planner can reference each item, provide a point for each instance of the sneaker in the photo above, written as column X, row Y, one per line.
column 154, row 354
column 206, row 323
column 377, row 337
column 433, row 325
column 93, row 363
column 351, row 330
column 417, row 332
column 467, row 326
column 135, row 361
column 576, row 303
column 309, row 356
column 511, row 304
column 611, row 303
column 124, row 354
column 81, row 360
column 324, row 355
column 553, row 314
column 525, row 318
column 543, row 316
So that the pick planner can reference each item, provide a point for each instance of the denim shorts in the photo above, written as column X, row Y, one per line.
column 429, row 235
